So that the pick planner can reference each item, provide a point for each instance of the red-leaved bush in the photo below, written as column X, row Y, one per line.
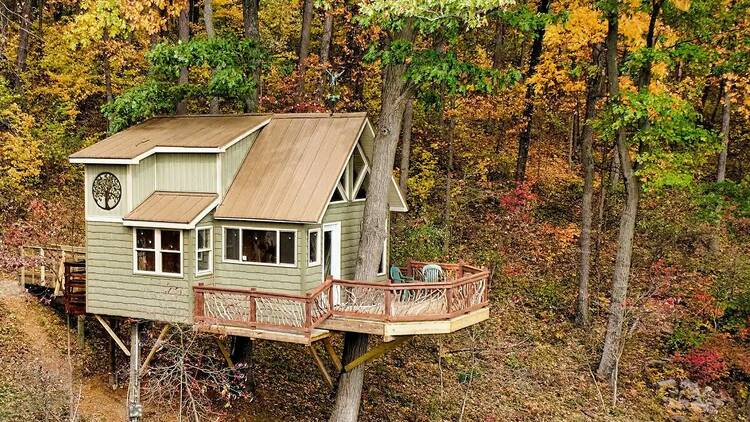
column 704, row 364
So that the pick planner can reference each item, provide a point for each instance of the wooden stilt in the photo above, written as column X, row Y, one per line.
column 376, row 352
column 320, row 365
column 332, row 354
column 135, row 410
column 113, row 356
column 112, row 334
column 156, row 348
column 225, row 352
column 81, row 329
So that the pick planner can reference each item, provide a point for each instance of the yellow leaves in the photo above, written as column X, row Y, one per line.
column 20, row 155
column 634, row 28
column 583, row 27
column 683, row 5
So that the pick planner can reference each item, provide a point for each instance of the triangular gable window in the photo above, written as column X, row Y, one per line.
column 361, row 173
column 339, row 194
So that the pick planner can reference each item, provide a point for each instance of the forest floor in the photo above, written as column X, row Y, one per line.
column 522, row 364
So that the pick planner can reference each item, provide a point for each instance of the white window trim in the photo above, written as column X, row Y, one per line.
column 210, row 250
column 343, row 190
column 278, row 246
column 319, row 260
column 361, row 178
column 157, row 254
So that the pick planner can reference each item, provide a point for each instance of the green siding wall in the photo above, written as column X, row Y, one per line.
column 186, row 172
column 232, row 159
column 113, row 289
column 144, row 179
column 121, row 172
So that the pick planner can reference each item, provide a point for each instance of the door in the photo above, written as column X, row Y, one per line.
column 332, row 255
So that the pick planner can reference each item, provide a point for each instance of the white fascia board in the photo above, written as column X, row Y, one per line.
column 156, row 224
column 245, row 135
column 403, row 207
column 262, row 220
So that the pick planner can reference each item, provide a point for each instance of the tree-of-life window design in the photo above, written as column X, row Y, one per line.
column 106, row 191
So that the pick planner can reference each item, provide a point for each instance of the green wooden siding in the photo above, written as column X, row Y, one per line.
column 186, row 172
column 113, row 289
column 232, row 159
column 121, row 172
column 144, row 179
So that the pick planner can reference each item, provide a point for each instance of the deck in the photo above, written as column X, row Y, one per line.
column 434, row 304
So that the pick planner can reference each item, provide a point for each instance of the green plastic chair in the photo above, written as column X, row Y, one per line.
column 397, row 276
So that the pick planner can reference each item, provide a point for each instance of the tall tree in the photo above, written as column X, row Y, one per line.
column 593, row 93
column 406, row 69
column 183, row 25
column 725, row 115
column 325, row 49
column 252, row 32
column 208, row 18
column 524, row 139
column 613, row 339
column 406, row 146
column 23, row 41
column 304, row 45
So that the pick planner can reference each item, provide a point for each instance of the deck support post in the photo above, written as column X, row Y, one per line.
column 135, row 409
column 157, row 346
column 320, row 365
column 113, row 322
column 80, row 320
column 376, row 352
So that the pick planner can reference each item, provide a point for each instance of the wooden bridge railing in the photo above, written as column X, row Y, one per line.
column 459, row 289
column 45, row 265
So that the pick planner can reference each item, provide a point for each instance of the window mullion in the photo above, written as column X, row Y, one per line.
column 157, row 250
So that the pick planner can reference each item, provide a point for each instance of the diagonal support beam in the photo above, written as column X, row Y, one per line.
column 376, row 352
column 332, row 353
column 156, row 348
column 320, row 365
column 112, row 334
column 225, row 352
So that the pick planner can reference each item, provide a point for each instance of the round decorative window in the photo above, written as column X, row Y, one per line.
column 106, row 190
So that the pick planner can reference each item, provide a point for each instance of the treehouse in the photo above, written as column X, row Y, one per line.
column 248, row 225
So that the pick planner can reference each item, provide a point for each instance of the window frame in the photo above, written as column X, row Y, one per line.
column 342, row 189
column 210, row 250
column 357, row 184
column 278, row 246
column 157, row 253
column 319, row 259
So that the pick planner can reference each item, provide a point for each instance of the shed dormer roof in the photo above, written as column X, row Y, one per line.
column 206, row 133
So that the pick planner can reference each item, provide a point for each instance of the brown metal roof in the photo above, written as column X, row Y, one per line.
column 292, row 168
column 172, row 207
column 207, row 131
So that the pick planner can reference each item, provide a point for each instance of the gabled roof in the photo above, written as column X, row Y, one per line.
column 292, row 168
column 206, row 133
column 177, row 209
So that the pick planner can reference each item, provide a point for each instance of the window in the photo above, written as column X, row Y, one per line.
column 360, row 174
column 204, row 251
column 383, row 258
column 260, row 246
column 340, row 193
column 313, row 247
column 158, row 251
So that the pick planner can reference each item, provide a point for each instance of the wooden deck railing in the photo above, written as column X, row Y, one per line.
column 458, row 289
column 45, row 265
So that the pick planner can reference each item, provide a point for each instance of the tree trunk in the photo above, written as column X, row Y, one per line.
column 184, row 33
column 725, row 113
column 394, row 94
column 252, row 32
column 524, row 138
column 497, row 55
column 448, row 130
column 593, row 90
column 406, row 146
column 613, row 339
column 23, row 41
column 208, row 17
column 325, row 49
column 304, row 45
column 106, row 66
